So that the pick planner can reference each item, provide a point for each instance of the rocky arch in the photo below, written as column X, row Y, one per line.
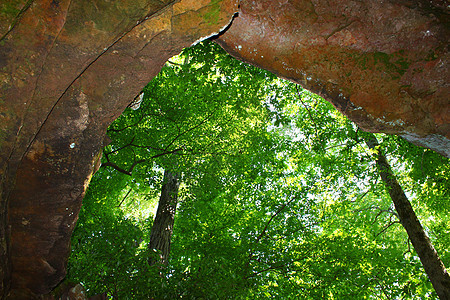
column 68, row 68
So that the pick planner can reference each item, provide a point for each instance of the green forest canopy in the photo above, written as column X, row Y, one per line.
column 280, row 198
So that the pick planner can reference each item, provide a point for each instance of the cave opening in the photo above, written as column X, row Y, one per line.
column 204, row 117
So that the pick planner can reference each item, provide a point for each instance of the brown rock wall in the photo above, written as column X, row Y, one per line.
column 70, row 68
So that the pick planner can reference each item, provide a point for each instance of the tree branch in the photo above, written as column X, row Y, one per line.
column 266, row 269
column 135, row 163
column 190, row 129
column 307, row 109
column 123, row 147
column 124, row 197
column 387, row 227
column 128, row 126
column 115, row 167
column 272, row 217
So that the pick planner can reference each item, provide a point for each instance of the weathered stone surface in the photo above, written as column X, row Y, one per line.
column 68, row 69
column 384, row 64
column 67, row 291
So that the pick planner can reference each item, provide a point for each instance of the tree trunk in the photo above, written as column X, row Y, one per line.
column 5, row 268
column 161, row 234
column 431, row 262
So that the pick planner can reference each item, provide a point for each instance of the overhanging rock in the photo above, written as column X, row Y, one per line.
column 384, row 64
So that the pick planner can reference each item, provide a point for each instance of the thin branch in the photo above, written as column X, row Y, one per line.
column 379, row 209
column 272, row 217
column 382, row 287
column 185, row 62
column 387, row 227
column 265, row 270
column 214, row 138
column 190, row 129
column 135, row 163
column 124, row 197
column 267, row 225
column 307, row 109
column 123, row 147
column 167, row 152
column 408, row 241
column 147, row 147
column 174, row 63
column 164, row 115
column 128, row 126
column 284, row 236
column 115, row 167
column 363, row 195
column 342, row 145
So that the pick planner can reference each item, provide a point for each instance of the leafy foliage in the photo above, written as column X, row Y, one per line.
column 280, row 196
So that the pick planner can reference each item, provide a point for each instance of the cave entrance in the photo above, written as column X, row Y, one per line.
column 219, row 123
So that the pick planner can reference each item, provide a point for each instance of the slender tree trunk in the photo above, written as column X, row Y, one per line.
column 431, row 262
column 161, row 234
column 5, row 268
